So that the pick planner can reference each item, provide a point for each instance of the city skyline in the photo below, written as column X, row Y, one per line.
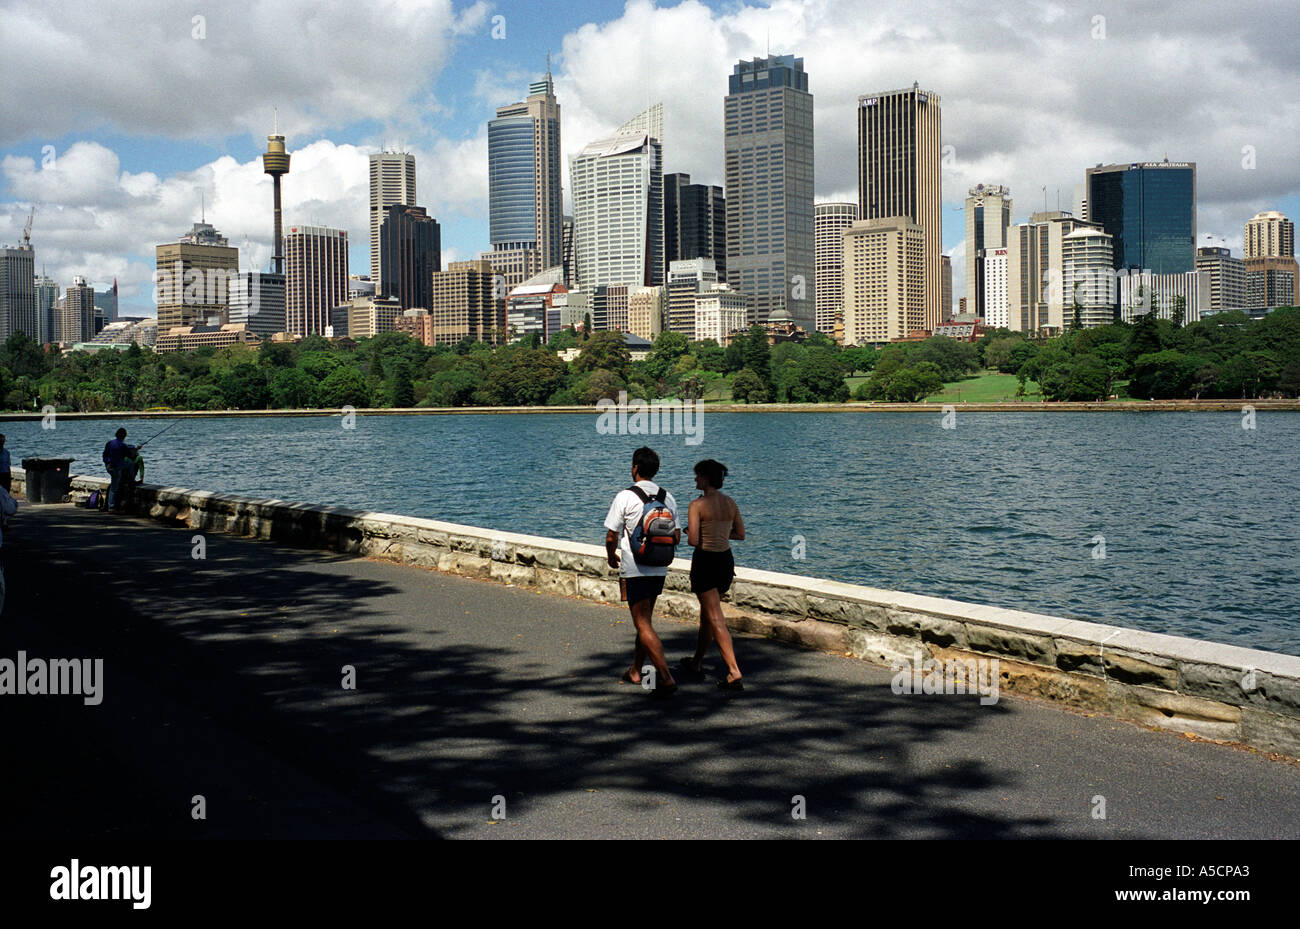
column 113, row 175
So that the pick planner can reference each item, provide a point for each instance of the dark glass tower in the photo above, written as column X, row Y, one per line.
column 695, row 222
column 410, row 252
column 1150, row 210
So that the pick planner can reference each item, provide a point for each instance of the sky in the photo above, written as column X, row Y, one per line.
column 122, row 123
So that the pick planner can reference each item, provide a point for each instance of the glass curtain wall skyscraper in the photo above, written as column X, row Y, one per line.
column 768, row 171
column 392, row 180
column 1149, row 210
column 525, row 212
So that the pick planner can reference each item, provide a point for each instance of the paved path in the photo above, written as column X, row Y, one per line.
column 223, row 679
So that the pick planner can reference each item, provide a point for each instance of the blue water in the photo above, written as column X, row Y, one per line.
column 1197, row 514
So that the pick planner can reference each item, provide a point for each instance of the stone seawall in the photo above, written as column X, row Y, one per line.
column 1215, row 691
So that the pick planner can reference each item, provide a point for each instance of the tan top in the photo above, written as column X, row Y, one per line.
column 715, row 534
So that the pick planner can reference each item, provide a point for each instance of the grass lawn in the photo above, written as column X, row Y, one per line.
column 988, row 387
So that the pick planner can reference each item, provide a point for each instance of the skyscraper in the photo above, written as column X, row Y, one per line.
column 465, row 304
column 898, row 174
column 392, row 180
column 768, row 171
column 1149, row 209
column 1088, row 278
column 884, row 280
column 47, row 294
column 525, row 209
column 618, row 206
column 411, row 243
column 988, row 215
column 687, row 278
column 1270, row 235
column 18, row 292
column 1227, row 277
column 257, row 301
column 695, row 222
column 316, row 277
column 831, row 221
column 1036, row 298
column 75, row 313
column 1272, row 276
column 191, row 277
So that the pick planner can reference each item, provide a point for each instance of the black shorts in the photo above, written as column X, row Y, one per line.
column 712, row 571
column 643, row 588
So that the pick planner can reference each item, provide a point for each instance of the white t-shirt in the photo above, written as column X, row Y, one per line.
column 624, row 514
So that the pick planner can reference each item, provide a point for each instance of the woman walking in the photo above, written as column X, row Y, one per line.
column 712, row 521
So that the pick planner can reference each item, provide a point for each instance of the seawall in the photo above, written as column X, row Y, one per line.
column 1214, row 691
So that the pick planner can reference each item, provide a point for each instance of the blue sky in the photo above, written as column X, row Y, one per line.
column 1033, row 93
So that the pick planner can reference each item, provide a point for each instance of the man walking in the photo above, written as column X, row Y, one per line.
column 642, row 582
column 118, row 459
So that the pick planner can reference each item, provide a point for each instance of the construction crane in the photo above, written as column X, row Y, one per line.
column 27, row 229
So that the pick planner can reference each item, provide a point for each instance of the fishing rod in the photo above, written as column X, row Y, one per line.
column 156, row 434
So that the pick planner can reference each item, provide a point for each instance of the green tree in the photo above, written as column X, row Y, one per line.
column 819, row 377
column 757, row 354
column 292, row 389
column 748, row 387
column 345, row 386
column 524, row 377
column 604, row 350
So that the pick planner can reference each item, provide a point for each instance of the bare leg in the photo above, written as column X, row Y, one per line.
column 648, row 644
column 711, row 612
column 705, row 638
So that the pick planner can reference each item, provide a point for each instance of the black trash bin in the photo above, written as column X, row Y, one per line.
column 47, row 479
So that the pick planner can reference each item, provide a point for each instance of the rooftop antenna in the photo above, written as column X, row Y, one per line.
column 548, row 64
column 275, row 119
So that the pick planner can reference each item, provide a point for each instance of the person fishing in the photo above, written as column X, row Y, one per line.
column 116, row 455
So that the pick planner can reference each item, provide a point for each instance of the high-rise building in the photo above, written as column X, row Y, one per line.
column 257, row 301
column 528, row 308
column 525, row 212
column 995, row 290
column 392, row 180
column 464, row 304
column 47, row 294
column 275, row 162
column 768, row 178
column 75, row 313
column 106, row 300
column 411, row 250
column 831, row 219
column 570, row 272
column 1272, row 274
column 1227, row 277
column 1270, row 235
column 366, row 317
column 945, row 286
column 988, row 216
column 899, row 176
column 1035, row 272
column 884, row 280
column 192, row 276
column 645, row 311
column 18, row 292
column 695, row 222
column 1088, row 277
column 686, row 279
column 1142, row 292
column 1149, row 209
column 316, row 277
column 609, row 307
column 618, row 206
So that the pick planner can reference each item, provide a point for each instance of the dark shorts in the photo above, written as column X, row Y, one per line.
column 7, row 480
column 643, row 588
column 712, row 571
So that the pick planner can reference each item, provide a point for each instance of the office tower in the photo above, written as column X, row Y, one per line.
column 1227, row 277
column 75, row 313
column 18, row 292
column 945, row 286
column 47, row 294
column 1271, row 270
column 898, row 174
column 685, row 280
column 1142, row 292
column 410, row 243
column 525, row 212
column 1035, row 272
column 464, row 304
column 609, row 305
column 618, row 206
column 830, row 221
column 884, row 280
column 316, row 277
column 719, row 311
column 275, row 162
column 1149, row 209
column 528, row 308
column 392, row 180
column 106, row 300
column 695, row 222
column 365, row 317
column 257, row 301
column 995, row 290
column 768, row 177
column 1081, row 201
column 191, row 277
column 645, row 311
column 1270, row 235
column 570, row 273
column 1088, row 277
column 988, row 216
